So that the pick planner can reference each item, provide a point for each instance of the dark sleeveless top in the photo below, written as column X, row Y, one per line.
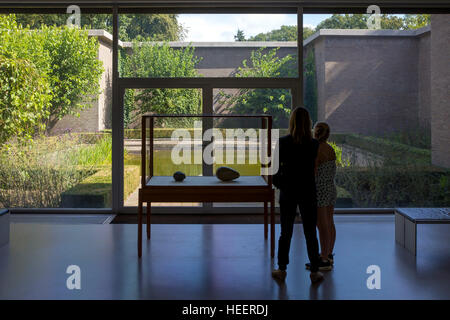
column 296, row 166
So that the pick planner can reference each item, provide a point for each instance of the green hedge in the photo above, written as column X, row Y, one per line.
column 401, row 186
column 95, row 191
column 394, row 152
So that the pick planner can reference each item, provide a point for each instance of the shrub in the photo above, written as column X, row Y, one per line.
column 65, row 61
column 153, row 60
column 24, row 99
column 74, row 70
column 389, row 186
column 276, row 102
column 394, row 153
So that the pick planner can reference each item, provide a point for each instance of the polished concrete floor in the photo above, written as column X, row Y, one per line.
column 217, row 262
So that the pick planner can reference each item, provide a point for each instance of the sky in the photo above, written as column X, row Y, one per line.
column 223, row 27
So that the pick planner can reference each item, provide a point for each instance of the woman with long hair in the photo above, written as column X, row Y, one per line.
column 326, row 193
column 296, row 181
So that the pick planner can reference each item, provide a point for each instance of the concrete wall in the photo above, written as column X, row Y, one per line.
column 424, row 84
column 368, row 81
column 440, row 90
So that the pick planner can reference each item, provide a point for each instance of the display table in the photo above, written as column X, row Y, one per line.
column 202, row 188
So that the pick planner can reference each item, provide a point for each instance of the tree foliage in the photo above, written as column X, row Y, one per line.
column 24, row 99
column 74, row 70
column 64, row 59
column 285, row 33
column 131, row 26
column 416, row 21
column 359, row 21
column 239, row 36
column 276, row 102
column 153, row 60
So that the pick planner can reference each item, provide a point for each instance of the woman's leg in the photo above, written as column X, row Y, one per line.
column 330, row 215
column 308, row 211
column 324, row 231
column 288, row 211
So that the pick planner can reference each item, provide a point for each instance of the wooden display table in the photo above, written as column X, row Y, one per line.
column 203, row 188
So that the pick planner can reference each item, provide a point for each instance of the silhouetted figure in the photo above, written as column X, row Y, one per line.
column 326, row 193
column 296, row 181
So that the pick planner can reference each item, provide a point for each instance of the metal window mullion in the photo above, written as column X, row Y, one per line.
column 117, row 123
column 299, row 92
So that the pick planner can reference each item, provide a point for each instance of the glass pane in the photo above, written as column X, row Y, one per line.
column 55, row 112
column 168, row 134
column 242, row 135
column 208, row 45
column 374, row 88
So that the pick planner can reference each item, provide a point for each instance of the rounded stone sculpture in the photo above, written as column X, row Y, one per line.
column 227, row 174
column 179, row 176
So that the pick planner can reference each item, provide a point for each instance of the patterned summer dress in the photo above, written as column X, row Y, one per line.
column 326, row 189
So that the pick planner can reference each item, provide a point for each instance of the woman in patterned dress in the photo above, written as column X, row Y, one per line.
column 326, row 192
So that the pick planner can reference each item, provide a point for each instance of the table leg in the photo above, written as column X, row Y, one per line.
column 266, row 231
column 400, row 229
column 140, row 229
column 411, row 236
column 149, row 212
column 272, row 227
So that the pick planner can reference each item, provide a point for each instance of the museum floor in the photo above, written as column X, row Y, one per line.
column 221, row 261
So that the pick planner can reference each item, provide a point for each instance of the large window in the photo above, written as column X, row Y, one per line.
column 64, row 123
column 373, row 87
column 55, row 112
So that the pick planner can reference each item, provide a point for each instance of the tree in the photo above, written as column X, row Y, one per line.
column 239, row 35
column 359, row 21
column 24, row 88
column 276, row 102
column 416, row 21
column 160, row 27
column 65, row 57
column 285, row 33
column 154, row 60
column 308, row 32
column 74, row 70
column 24, row 100
column 131, row 26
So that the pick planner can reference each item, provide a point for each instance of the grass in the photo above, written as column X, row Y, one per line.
column 96, row 190
column 394, row 152
column 34, row 175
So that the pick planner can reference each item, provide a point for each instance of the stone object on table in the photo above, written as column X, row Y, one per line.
column 227, row 174
column 179, row 176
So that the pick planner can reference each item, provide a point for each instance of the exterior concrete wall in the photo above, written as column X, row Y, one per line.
column 440, row 90
column 105, row 98
column 424, row 89
column 86, row 122
column 366, row 84
column 224, row 61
